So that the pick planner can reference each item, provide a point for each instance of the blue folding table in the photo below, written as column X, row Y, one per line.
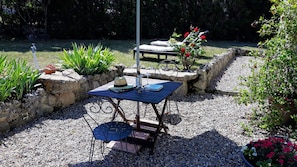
column 149, row 97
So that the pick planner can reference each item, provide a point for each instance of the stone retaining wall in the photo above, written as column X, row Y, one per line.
column 58, row 90
column 62, row 89
column 213, row 69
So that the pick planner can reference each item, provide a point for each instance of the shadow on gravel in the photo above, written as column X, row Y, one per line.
column 195, row 97
column 207, row 149
column 75, row 111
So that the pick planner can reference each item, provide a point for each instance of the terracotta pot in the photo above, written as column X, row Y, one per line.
column 187, row 63
column 49, row 71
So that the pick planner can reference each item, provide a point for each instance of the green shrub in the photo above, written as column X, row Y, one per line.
column 16, row 79
column 273, row 84
column 87, row 60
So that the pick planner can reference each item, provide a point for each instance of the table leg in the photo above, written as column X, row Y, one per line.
column 160, row 116
column 116, row 107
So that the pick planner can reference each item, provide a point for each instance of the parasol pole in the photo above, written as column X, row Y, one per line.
column 138, row 77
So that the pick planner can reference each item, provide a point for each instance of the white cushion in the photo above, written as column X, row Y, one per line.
column 156, row 48
column 160, row 43
column 164, row 43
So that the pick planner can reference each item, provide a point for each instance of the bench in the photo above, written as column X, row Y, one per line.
column 157, row 50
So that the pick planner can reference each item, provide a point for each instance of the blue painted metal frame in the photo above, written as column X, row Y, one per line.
column 144, row 96
column 112, row 131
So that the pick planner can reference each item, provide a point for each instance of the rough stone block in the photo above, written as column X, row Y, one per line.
column 4, row 126
column 44, row 109
column 66, row 99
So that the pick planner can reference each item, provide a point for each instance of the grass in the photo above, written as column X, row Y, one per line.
column 48, row 51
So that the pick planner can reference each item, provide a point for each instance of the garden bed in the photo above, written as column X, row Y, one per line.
column 62, row 89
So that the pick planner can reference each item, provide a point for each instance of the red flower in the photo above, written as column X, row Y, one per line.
column 267, row 144
column 270, row 155
column 287, row 150
column 186, row 34
column 196, row 29
column 282, row 157
column 203, row 37
column 188, row 54
column 281, row 161
column 183, row 50
column 279, row 151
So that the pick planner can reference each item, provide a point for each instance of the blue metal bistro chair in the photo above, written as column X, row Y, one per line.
column 106, row 131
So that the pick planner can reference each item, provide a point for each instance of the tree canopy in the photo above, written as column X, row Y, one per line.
column 113, row 19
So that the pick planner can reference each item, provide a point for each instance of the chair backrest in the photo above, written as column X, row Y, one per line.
column 99, row 111
column 168, row 67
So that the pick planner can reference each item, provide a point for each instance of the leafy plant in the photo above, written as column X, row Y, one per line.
column 190, row 48
column 87, row 60
column 16, row 78
column 247, row 129
column 273, row 83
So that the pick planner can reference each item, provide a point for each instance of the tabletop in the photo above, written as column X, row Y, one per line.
column 145, row 96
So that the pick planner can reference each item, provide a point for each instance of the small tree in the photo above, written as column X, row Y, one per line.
column 273, row 84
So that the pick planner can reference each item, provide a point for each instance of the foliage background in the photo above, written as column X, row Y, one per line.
column 114, row 19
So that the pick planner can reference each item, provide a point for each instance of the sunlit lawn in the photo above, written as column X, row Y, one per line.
column 48, row 51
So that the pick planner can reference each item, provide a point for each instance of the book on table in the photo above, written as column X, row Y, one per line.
column 153, row 87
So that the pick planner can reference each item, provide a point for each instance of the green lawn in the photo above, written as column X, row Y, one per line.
column 48, row 51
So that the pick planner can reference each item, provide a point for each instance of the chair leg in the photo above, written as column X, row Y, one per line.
column 102, row 148
column 135, row 145
column 92, row 149
column 93, row 141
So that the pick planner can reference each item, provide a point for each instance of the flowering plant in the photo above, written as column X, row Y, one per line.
column 190, row 47
column 273, row 151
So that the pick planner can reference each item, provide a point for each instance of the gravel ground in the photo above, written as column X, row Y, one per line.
column 205, row 131
column 229, row 79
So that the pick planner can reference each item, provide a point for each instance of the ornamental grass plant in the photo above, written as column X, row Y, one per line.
column 87, row 60
column 16, row 78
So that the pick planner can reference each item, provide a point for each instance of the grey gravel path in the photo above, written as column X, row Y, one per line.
column 208, row 133
column 229, row 80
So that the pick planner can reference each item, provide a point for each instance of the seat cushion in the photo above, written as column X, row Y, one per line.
column 156, row 48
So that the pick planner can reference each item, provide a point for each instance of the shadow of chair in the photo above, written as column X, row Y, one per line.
column 101, row 119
